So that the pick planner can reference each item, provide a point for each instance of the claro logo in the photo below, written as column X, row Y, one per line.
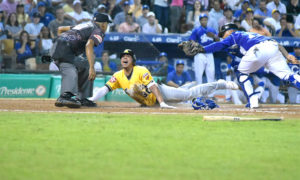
column 4, row 91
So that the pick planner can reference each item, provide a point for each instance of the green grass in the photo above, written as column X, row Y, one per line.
column 109, row 146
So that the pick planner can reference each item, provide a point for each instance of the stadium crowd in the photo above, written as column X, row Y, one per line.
column 28, row 27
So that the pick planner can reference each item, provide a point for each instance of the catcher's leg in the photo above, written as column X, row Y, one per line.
column 247, row 87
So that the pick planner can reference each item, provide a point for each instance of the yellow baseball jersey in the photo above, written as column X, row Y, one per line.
column 137, row 86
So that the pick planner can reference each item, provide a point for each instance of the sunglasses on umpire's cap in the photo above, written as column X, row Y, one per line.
column 100, row 17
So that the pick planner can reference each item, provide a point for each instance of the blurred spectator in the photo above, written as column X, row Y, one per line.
column 46, row 17
column 143, row 18
column 161, row 10
column 68, row 7
column 45, row 41
column 297, row 25
column 262, row 12
column 214, row 16
column 22, row 17
column 2, row 29
column 152, row 26
column 293, row 8
column 241, row 13
column 193, row 15
column 233, row 4
column 258, row 28
column 273, row 23
column 136, row 8
column 164, row 68
column 228, row 17
column 59, row 21
column 34, row 28
column 254, row 4
column 114, row 9
column 12, row 26
column 25, row 56
column 8, row 6
column 292, row 91
column 175, row 12
column 129, row 26
column 120, row 17
column 247, row 22
column 287, row 29
column 276, row 4
column 238, row 23
column 107, row 65
column 190, row 5
column 78, row 16
column 178, row 77
column 204, row 35
column 90, row 5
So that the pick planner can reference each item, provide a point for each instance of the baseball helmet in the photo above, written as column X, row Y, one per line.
column 203, row 104
column 129, row 52
column 227, row 27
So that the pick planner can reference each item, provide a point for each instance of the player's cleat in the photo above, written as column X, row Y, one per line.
column 66, row 100
column 87, row 103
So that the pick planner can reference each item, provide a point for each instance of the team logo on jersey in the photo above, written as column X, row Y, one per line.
column 112, row 79
column 146, row 76
column 99, row 38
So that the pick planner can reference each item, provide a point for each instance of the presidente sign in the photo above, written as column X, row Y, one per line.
column 32, row 86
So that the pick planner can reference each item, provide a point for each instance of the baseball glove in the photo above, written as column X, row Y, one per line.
column 191, row 48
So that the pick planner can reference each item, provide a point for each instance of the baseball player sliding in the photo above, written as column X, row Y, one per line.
column 256, row 50
column 138, row 83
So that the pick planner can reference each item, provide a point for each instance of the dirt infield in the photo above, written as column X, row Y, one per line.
column 47, row 105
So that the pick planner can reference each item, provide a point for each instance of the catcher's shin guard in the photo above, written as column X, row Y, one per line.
column 247, row 87
column 295, row 80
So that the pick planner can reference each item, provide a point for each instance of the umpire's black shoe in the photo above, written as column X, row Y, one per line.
column 66, row 100
column 87, row 103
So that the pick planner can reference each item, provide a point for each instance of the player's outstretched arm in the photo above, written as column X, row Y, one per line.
column 154, row 89
column 290, row 58
column 100, row 93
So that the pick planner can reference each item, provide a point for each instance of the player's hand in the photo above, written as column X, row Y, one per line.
column 163, row 105
column 92, row 74
column 292, row 59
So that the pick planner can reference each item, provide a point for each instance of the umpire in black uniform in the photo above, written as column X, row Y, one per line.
column 78, row 74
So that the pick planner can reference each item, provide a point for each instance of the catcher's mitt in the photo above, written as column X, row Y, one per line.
column 191, row 48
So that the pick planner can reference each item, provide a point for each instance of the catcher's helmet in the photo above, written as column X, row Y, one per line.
column 129, row 52
column 227, row 27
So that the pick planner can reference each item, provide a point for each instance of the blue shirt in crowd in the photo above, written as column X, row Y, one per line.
column 180, row 80
column 199, row 35
column 27, row 53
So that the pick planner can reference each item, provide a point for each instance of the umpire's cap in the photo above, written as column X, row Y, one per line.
column 101, row 17
column 129, row 52
column 227, row 27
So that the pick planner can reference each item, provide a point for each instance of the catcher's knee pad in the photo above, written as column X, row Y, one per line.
column 247, row 87
column 294, row 79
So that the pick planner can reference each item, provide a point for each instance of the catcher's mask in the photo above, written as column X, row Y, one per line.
column 129, row 52
column 227, row 27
